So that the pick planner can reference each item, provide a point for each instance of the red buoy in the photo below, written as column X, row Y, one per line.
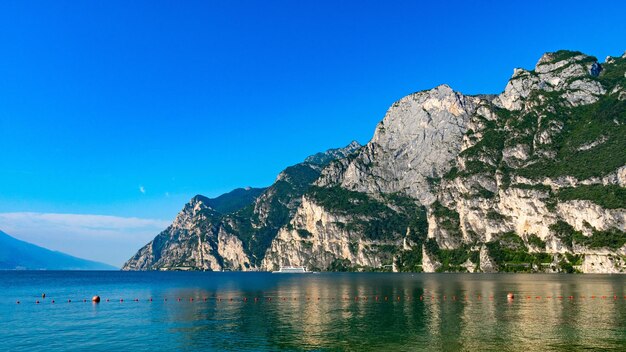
column 510, row 296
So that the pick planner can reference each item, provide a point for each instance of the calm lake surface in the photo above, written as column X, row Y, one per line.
column 334, row 311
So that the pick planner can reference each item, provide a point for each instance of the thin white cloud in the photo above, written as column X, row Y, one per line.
column 110, row 239
column 142, row 189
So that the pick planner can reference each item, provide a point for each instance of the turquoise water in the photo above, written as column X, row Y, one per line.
column 310, row 312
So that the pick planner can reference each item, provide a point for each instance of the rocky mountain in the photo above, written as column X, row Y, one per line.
column 233, row 200
column 20, row 255
column 532, row 180
column 207, row 235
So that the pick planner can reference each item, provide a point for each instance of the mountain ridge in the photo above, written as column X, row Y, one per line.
column 16, row 254
column 527, row 180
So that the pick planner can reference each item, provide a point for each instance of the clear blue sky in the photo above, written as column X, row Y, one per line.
column 100, row 98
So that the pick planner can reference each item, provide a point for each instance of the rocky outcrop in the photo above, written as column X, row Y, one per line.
column 232, row 231
column 567, row 72
column 418, row 139
column 194, row 241
column 603, row 264
column 486, row 263
column 429, row 265
column 316, row 238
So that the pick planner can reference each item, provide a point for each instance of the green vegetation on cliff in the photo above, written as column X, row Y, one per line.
column 609, row 196
column 388, row 218
column 613, row 238
column 591, row 142
column 511, row 255
column 452, row 259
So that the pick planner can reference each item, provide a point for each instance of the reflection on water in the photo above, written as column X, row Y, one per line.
column 315, row 312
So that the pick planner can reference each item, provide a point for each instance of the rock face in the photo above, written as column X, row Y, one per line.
column 195, row 240
column 232, row 231
column 418, row 139
column 338, row 229
column 530, row 180
column 569, row 73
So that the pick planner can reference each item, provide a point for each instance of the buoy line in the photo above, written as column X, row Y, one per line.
column 509, row 297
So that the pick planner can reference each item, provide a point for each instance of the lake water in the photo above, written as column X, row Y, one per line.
column 333, row 311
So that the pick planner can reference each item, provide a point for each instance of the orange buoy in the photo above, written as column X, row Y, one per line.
column 96, row 299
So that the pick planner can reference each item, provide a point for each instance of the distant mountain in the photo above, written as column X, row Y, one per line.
column 325, row 158
column 233, row 200
column 20, row 255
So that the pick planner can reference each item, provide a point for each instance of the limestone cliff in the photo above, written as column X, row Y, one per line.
column 232, row 231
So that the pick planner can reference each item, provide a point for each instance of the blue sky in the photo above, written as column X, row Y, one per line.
column 129, row 108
